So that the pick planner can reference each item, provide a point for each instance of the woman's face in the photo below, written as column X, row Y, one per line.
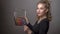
column 41, row 9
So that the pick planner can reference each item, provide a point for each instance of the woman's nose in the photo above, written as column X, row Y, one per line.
column 38, row 10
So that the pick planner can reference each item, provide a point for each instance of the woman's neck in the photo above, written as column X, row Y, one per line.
column 41, row 18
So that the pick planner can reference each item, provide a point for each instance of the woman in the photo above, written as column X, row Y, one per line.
column 43, row 18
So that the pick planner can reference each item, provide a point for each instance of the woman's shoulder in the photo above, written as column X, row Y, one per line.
column 45, row 21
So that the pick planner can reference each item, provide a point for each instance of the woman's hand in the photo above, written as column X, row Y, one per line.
column 27, row 30
column 26, row 19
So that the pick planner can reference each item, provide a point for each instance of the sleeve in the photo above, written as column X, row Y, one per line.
column 30, row 26
column 44, row 27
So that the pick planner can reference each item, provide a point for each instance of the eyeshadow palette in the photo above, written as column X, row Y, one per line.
column 18, row 14
column 19, row 21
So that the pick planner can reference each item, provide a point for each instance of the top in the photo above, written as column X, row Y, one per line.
column 41, row 28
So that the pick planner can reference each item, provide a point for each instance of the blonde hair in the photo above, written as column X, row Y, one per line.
column 47, row 5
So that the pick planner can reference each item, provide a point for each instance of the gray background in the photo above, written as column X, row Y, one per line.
column 7, row 19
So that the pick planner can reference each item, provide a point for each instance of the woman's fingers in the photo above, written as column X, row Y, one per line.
column 26, row 19
column 25, row 28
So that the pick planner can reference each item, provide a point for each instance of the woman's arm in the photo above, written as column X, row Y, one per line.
column 28, row 26
column 28, row 23
column 27, row 29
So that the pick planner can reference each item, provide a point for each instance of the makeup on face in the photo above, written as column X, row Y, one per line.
column 41, row 9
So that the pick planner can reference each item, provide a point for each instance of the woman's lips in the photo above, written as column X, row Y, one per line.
column 38, row 13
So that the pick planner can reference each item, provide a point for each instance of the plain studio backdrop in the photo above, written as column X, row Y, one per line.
column 7, row 17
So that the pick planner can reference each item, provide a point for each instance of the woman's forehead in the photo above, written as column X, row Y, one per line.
column 40, row 5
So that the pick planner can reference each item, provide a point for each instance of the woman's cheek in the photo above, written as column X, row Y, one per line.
column 37, row 11
column 41, row 13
